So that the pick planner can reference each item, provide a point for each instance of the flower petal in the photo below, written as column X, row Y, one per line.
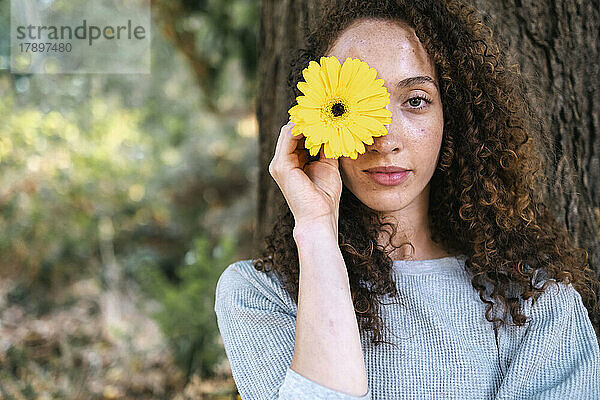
column 310, row 142
column 360, row 147
column 309, row 115
column 373, row 92
column 371, row 124
column 312, row 76
column 308, row 102
column 331, row 68
column 361, row 84
column 329, row 153
column 311, row 92
column 294, row 110
column 361, row 134
column 383, row 115
column 319, row 132
column 314, row 150
column 325, row 79
column 347, row 141
column 332, row 138
column 347, row 73
column 296, row 129
column 372, row 104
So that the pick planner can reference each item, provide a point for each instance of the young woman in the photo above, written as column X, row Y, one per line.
column 448, row 280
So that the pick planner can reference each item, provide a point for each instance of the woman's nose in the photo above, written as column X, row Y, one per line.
column 389, row 143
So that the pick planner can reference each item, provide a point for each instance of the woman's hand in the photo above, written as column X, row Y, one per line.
column 326, row 318
column 312, row 189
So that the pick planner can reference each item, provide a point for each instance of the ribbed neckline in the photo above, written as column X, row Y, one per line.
column 437, row 265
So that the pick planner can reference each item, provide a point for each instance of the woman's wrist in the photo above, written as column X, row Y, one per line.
column 321, row 227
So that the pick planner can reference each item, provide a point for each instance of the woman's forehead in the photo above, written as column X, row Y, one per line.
column 392, row 48
column 375, row 33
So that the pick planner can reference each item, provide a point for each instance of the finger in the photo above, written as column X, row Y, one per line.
column 280, row 139
column 286, row 143
column 303, row 157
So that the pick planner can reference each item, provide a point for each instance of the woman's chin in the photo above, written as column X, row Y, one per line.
column 385, row 205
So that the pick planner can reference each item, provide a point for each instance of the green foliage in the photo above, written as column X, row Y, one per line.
column 56, row 175
column 224, row 36
column 83, row 157
column 186, row 314
column 4, row 33
column 135, row 173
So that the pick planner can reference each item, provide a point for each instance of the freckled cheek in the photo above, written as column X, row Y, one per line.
column 424, row 126
column 353, row 177
column 423, row 137
column 425, row 143
column 348, row 173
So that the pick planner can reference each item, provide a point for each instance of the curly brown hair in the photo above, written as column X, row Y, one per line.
column 486, row 193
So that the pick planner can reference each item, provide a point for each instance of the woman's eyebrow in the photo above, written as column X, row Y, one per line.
column 404, row 83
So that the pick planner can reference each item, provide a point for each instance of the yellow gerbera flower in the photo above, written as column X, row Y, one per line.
column 343, row 107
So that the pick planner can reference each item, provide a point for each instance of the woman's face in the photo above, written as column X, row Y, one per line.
column 414, row 135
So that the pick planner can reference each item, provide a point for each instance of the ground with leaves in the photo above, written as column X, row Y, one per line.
column 95, row 345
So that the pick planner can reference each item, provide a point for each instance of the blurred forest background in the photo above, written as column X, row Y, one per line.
column 122, row 199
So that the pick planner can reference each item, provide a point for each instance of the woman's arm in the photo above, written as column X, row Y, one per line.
column 327, row 360
column 327, row 348
column 257, row 322
column 556, row 356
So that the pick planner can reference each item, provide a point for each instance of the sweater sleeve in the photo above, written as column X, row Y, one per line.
column 557, row 355
column 258, row 334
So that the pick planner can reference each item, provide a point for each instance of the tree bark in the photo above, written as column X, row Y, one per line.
column 556, row 43
column 284, row 26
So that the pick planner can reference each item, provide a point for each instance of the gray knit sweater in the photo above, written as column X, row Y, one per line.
column 446, row 349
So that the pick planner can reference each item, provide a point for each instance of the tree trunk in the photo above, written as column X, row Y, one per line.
column 284, row 25
column 555, row 42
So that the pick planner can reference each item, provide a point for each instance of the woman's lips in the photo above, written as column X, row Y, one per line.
column 389, row 178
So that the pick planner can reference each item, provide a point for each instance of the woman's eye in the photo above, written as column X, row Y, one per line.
column 418, row 102
column 415, row 101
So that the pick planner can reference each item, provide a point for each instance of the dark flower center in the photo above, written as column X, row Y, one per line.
column 337, row 109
